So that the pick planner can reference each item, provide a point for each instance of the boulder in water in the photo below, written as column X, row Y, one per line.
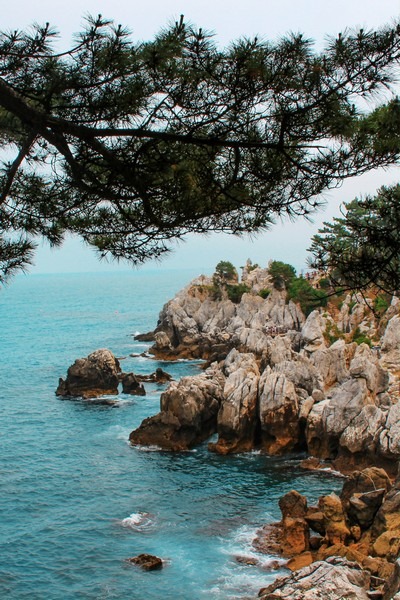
column 96, row 375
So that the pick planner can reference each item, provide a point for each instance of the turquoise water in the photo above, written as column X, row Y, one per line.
column 76, row 499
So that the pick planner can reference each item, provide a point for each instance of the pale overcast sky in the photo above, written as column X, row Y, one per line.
column 229, row 19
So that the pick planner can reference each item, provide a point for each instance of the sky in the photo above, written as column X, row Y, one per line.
column 228, row 19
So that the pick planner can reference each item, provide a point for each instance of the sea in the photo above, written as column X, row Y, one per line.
column 77, row 500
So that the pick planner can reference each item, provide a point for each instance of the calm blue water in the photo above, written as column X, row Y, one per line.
column 70, row 479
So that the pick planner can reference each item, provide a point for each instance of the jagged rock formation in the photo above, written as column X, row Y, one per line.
column 188, row 415
column 336, row 579
column 100, row 373
column 93, row 376
column 287, row 382
column 361, row 526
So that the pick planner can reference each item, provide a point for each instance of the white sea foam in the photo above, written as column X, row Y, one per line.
column 138, row 521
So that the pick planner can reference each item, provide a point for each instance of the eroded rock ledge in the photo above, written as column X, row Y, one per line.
column 345, row 547
column 281, row 382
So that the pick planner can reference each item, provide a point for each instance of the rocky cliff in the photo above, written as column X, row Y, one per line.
column 327, row 384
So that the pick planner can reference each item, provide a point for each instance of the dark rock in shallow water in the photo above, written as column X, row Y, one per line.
column 93, row 376
column 148, row 562
column 132, row 385
column 159, row 376
column 145, row 337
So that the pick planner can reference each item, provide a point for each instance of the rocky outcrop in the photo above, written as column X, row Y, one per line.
column 288, row 384
column 132, row 385
column 147, row 562
column 202, row 322
column 100, row 374
column 278, row 413
column 362, row 526
column 188, row 413
column 93, row 376
column 237, row 414
column 336, row 579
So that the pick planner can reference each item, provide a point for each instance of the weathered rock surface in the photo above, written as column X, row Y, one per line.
column 96, row 375
column 237, row 414
column 147, row 562
column 336, row 579
column 361, row 526
column 132, row 385
column 188, row 414
column 298, row 391
column 278, row 413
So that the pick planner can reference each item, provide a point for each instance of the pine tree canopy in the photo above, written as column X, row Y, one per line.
column 131, row 145
column 363, row 247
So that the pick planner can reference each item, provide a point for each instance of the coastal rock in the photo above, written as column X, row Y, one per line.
column 93, row 376
column 390, row 344
column 389, row 439
column 301, row 372
column 331, row 363
column 237, row 418
column 188, row 415
column 317, row 441
column 278, row 413
column 312, row 332
column 336, row 530
column 159, row 376
column 346, row 403
column 361, row 482
column 388, row 516
column 147, row 562
column 362, row 435
column 131, row 385
column 365, row 365
column 336, row 579
column 295, row 530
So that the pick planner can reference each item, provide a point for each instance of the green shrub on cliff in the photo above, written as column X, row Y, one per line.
column 225, row 272
column 282, row 274
column 264, row 293
column 301, row 291
column 235, row 292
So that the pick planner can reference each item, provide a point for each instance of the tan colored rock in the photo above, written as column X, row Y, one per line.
column 295, row 536
column 387, row 545
column 293, row 505
column 367, row 480
column 336, row 530
column 298, row 562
